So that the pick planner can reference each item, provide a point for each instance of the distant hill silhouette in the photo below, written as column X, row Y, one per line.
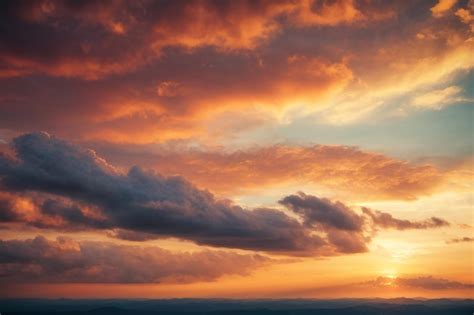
column 238, row 307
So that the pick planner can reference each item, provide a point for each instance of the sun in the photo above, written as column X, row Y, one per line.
column 390, row 276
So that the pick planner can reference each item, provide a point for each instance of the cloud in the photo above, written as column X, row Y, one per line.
column 46, row 212
column 387, row 287
column 156, row 71
column 344, row 227
column 352, row 171
column 386, row 220
column 81, row 38
column 466, row 15
column 316, row 211
column 66, row 188
column 420, row 282
column 65, row 260
column 465, row 239
column 348, row 242
column 69, row 213
column 144, row 202
column 431, row 283
column 438, row 99
column 442, row 6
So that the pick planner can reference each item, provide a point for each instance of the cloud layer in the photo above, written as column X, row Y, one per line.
column 143, row 29
column 350, row 170
column 65, row 260
column 148, row 71
column 421, row 282
column 146, row 202
column 50, row 183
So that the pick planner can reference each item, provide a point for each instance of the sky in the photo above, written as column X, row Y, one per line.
column 236, row 149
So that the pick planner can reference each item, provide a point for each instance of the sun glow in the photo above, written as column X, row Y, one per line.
column 389, row 277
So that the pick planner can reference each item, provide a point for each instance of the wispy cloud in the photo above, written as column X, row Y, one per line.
column 465, row 239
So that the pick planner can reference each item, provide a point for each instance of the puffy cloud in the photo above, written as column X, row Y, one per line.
column 386, row 220
column 7, row 210
column 66, row 260
column 46, row 212
column 71, row 215
column 344, row 227
column 442, row 6
column 348, row 242
column 466, row 15
column 145, row 202
column 316, row 211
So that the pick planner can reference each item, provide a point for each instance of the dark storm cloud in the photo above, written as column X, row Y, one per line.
column 66, row 260
column 51, row 213
column 133, row 236
column 144, row 202
column 71, row 214
column 386, row 221
column 344, row 228
column 7, row 210
column 317, row 211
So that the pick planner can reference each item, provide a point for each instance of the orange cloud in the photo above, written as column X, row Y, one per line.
column 393, row 287
column 313, row 13
column 366, row 175
column 442, row 6
column 65, row 260
column 466, row 15
column 280, row 85
column 128, row 35
column 181, row 106
column 231, row 58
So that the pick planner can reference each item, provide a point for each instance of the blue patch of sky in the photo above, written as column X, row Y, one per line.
column 445, row 133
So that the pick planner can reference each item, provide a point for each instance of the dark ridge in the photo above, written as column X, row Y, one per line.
column 237, row 307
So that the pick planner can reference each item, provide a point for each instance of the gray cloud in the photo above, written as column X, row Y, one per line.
column 321, row 211
column 7, row 211
column 66, row 260
column 343, row 226
column 386, row 221
column 144, row 202
column 70, row 214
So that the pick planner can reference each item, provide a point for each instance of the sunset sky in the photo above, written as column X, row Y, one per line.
column 236, row 149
